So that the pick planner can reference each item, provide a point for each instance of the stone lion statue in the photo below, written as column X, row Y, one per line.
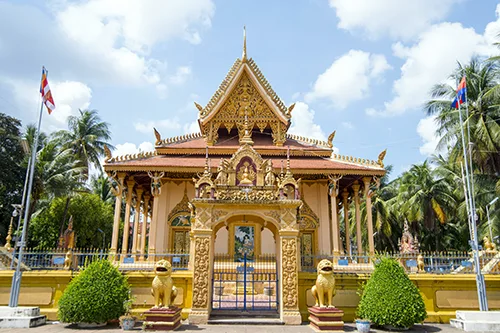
column 324, row 289
column 163, row 289
column 488, row 245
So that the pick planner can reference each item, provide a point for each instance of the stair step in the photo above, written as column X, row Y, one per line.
column 243, row 320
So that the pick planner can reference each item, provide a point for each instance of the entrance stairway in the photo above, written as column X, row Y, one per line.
column 245, row 319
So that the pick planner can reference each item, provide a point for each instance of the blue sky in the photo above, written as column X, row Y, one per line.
column 360, row 67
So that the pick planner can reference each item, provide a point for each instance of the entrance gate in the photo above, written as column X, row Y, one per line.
column 245, row 285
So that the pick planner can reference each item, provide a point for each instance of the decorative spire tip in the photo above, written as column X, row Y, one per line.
column 244, row 56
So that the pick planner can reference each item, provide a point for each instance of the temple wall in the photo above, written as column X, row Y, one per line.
column 316, row 196
column 442, row 294
column 221, row 241
column 268, row 244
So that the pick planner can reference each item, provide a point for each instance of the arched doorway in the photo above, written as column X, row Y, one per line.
column 245, row 266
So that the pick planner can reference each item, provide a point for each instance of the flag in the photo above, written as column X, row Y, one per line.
column 46, row 93
column 461, row 94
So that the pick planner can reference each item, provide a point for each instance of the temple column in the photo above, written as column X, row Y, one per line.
column 155, row 191
column 345, row 204
column 359, row 242
column 118, row 192
column 138, row 198
column 144, row 225
column 126, row 222
column 202, row 254
column 335, row 223
column 369, row 221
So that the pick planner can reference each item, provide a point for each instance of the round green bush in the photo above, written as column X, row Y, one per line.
column 96, row 295
column 390, row 298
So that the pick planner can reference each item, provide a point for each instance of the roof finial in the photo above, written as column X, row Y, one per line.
column 244, row 56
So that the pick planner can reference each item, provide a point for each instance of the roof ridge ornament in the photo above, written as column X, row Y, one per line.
column 244, row 55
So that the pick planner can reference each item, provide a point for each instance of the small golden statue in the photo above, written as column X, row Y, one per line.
column 246, row 175
column 488, row 245
column 324, row 289
column 420, row 263
column 270, row 178
column 163, row 289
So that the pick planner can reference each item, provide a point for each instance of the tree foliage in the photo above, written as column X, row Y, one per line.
column 96, row 295
column 89, row 214
column 390, row 298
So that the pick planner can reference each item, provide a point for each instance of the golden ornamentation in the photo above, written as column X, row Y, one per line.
column 246, row 174
column 278, row 133
column 275, row 214
column 488, row 245
column 117, row 184
column 158, row 137
column 420, row 263
column 311, row 141
column 156, row 182
column 68, row 259
column 200, row 272
column 244, row 55
column 217, row 214
column 381, row 157
column 181, row 207
column 8, row 247
column 288, row 218
column 330, row 139
column 204, row 186
column 290, row 275
column 290, row 109
column 234, row 193
column 334, row 181
column 324, row 289
column 198, row 106
column 307, row 218
column 270, row 178
column 203, row 217
column 163, row 289
column 107, row 154
column 288, row 186
column 222, row 175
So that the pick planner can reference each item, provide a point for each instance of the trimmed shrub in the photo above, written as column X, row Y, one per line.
column 96, row 295
column 390, row 298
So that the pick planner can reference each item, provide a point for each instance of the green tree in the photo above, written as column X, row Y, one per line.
column 13, row 171
column 89, row 213
column 85, row 138
column 100, row 185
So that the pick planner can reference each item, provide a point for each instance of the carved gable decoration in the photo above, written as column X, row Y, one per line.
column 307, row 218
column 181, row 214
column 244, row 97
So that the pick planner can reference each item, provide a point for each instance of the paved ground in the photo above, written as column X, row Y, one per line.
column 60, row 328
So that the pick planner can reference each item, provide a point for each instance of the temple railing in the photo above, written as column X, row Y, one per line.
column 77, row 259
column 433, row 262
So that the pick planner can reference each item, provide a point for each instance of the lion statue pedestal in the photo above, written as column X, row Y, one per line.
column 323, row 316
column 164, row 316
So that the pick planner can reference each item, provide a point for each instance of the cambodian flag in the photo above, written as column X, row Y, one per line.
column 461, row 94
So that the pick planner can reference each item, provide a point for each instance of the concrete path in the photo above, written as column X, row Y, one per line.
column 61, row 328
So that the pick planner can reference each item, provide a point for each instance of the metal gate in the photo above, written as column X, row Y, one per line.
column 245, row 284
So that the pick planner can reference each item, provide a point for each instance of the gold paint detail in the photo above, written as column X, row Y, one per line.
column 290, row 275
column 158, row 137
column 330, row 139
column 181, row 207
column 163, row 289
column 310, row 141
column 107, row 154
column 201, row 272
column 324, row 289
column 381, row 157
column 307, row 217
column 156, row 182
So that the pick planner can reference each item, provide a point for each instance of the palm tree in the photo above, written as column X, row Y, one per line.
column 483, row 115
column 100, row 185
column 426, row 201
column 85, row 138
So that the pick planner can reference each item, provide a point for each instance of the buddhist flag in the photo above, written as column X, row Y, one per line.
column 46, row 93
column 461, row 94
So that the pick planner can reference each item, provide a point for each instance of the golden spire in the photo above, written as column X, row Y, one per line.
column 247, row 132
column 244, row 56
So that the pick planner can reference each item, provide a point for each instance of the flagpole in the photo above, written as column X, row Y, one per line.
column 481, row 288
column 16, row 278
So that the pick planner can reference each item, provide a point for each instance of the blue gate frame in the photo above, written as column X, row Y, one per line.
column 245, row 285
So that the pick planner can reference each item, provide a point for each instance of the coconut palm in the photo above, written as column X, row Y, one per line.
column 85, row 138
column 100, row 185
column 483, row 117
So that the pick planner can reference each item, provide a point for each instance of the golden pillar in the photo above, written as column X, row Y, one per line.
column 138, row 199
column 155, row 191
column 202, row 253
column 118, row 192
column 345, row 204
column 369, row 220
column 359, row 243
column 126, row 223
column 144, row 225
column 335, row 223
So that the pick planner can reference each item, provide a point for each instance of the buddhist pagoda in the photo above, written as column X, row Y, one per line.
column 246, row 191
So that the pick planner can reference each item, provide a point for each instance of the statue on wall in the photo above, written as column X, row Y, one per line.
column 222, row 176
column 324, row 289
column 408, row 243
column 163, row 289
column 270, row 178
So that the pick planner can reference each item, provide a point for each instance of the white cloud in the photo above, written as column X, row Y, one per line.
column 192, row 127
column 181, row 75
column 348, row 125
column 170, row 124
column 348, row 78
column 431, row 60
column 396, row 18
column 69, row 96
column 303, row 122
column 427, row 129
column 131, row 148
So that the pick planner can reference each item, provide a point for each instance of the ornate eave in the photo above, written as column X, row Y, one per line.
column 228, row 84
